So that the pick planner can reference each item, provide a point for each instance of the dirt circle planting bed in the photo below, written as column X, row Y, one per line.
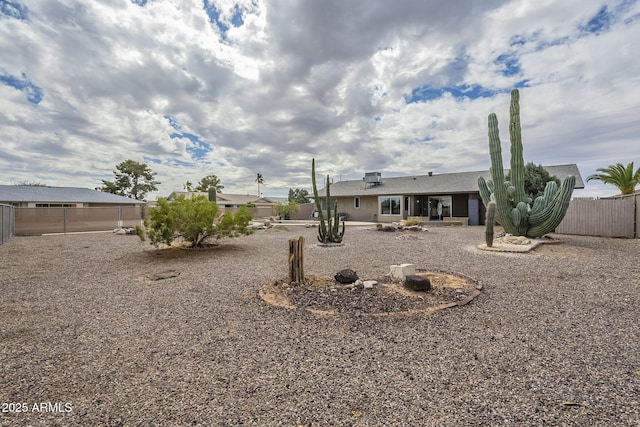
column 324, row 297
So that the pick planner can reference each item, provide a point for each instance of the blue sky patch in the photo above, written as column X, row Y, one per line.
column 427, row 93
column 425, row 139
column 13, row 9
column 600, row 22
column 518, row 40
column 197, row 147
column 632, row 19
column 33, row 93
column 521, row 84
column 214, row 16
column 174, row 162
column 510, row 63
column 173, row 122
column 139, row 2
column 557, row 42
column 237, row 20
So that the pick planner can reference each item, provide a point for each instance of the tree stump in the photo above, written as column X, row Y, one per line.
column 296, row 260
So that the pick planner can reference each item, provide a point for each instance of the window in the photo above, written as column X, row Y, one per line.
column 54, row 205
column 356, row 202
column 389, row 205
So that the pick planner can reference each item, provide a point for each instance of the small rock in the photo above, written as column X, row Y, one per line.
column 381, row 227
column 415, row 228
column 369, row 284
column 346, row 276
column 417, row 283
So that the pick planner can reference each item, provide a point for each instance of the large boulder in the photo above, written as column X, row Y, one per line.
column 417, row 283
column 346, row 276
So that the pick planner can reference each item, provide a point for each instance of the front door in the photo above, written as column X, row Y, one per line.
column 445, row 207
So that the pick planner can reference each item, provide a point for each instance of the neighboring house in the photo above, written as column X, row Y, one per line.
column 392, row 199
column 263, row 206
column 45, row 209
column 37, row 196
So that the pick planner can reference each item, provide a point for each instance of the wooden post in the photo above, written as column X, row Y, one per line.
column 296, row 260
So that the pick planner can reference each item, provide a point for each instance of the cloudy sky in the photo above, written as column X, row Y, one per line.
column 236, row 88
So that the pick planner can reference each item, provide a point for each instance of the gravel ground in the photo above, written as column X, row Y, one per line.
column 85, row 340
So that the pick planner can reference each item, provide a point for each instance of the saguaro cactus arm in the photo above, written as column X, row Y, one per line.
column 517, row 159
column 503, row 207
column 322, row 228
column 485, row 193
column 490, row 223
column 552, row 215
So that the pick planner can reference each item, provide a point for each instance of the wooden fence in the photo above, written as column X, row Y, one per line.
column 610, row 217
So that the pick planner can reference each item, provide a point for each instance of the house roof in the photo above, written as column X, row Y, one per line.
column 46, row 194
column 225, row 199
column 446, row 183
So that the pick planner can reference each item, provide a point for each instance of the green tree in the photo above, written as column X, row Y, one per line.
column 299, row 196
column 535, row 179
column 260, row 180
column 210, row 181
column 133, row 179
column 193, row 219
column 188, row 186
column 286, row 209
column 622, row 177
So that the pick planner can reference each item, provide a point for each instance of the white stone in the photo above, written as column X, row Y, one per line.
column 399, row 272
column 369, row 284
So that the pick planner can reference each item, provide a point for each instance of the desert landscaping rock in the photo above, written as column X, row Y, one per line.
column 417, row 283
column 553, row 326
column 369, row 284
column 346, row 276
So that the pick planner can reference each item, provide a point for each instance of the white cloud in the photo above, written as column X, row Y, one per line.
column 298, row 80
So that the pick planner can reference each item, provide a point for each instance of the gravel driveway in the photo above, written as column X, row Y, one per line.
column 554, row 338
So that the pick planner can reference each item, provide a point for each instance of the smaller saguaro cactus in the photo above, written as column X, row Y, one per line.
column 490, row 223
column 329, row 231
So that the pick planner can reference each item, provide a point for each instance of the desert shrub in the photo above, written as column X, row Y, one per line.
column 412, row 221
column 285, row 210
column 193, row 220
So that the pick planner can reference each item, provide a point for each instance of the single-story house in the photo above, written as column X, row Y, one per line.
column 46, row 209
column 379, row 199
column 39, row 196
column 262, row 206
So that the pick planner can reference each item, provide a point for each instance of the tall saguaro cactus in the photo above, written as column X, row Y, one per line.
column 514, row 209
column 328, row 232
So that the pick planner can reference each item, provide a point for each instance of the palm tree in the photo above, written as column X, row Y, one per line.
column 259, row 180
column 622, row 177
